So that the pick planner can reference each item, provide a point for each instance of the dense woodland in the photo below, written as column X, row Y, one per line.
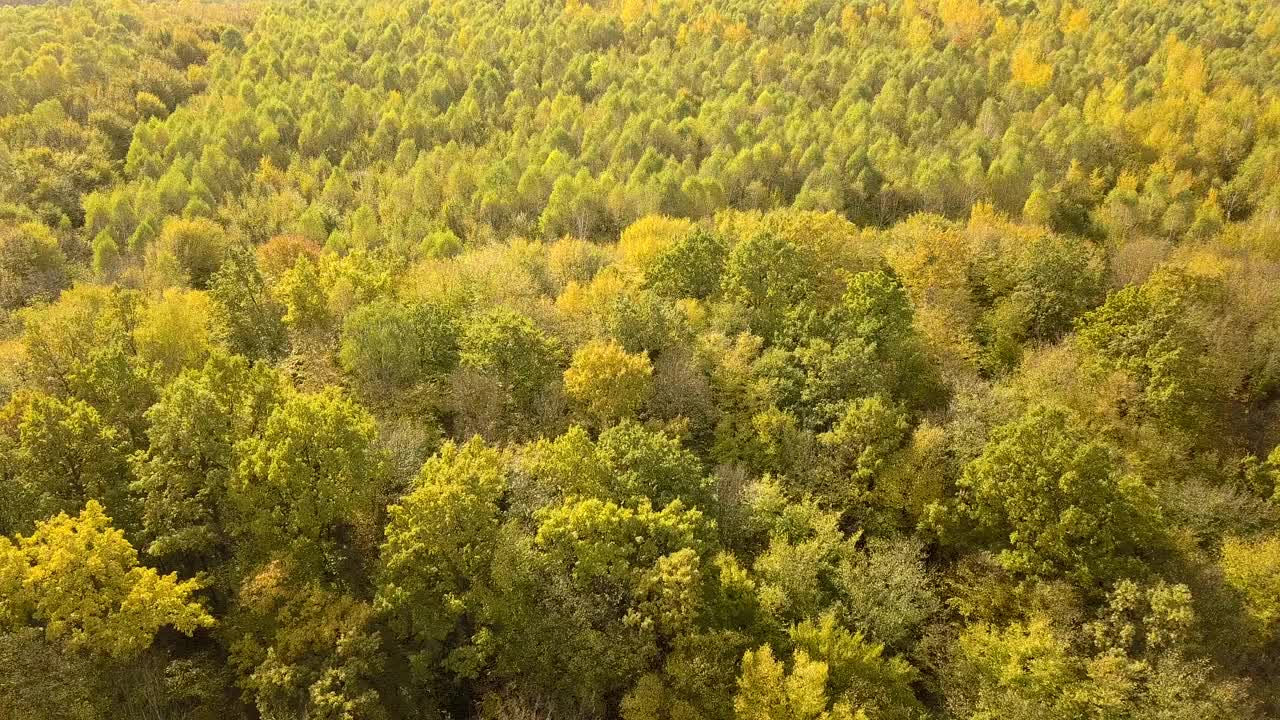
column 640, row 359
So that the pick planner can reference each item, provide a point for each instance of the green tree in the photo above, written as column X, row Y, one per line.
column 888, row 591
column 643, row 463
column 621, row 584
column 1024, row 670
column 54, row 456
column 691, row 266
column 306, row 650
column 302, row 294
column 1144, row 332
column 81, row 346
column 767, row 691
column 505, row 348
column 1253, row 570
column 775, row 280
column 199, row 246
column 32, row 265
column 858, row 446
column 437, row 556
column 248, row 319
column 185, row 475
column 173, row 332
column 311, row 482
column 833, row 674
column 390, row 347
column 1055, row 502
column 629, row 463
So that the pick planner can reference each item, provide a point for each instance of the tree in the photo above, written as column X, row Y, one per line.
column 621, row 584
column 868, row 346
column 173, row 332
column 309, row 482
column 644, row 240
column 645, row 464
column 185, row 475
column 766, row 691
column 505, row 348
column 306, row 650
column 390, row 347
column 80, row 579
column 691, row 266
column 803, row 552
column 248, row 319
column 56, row 456
column 858, row 671
column 1253, row 570
column 858, row 446
column 628, row 464
column 834, row 674
column 32, row 265
column 774, row 279
column 1144, row 332
column 608, row 383
column 81, row 346
column 1023, row 669
column 437, row 555
column 1029, row 669
column 1055, row 502
column 887, row 591
column 302, row 294
column 43, row 680
column 198, row 245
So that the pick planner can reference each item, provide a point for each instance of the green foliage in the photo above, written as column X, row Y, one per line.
column 81, row 346
column 628, row 464
column 173, row 333
column 796, row 572
column 632, row 580
column 1143, row 332
column 833, row 674
column 775, row 279
column 1027, row 670
column 390, row 347
column 56, row 455
column 198, row 245
column 1021, row 671
column 888, row 591
column 185, row 476
column 858, row 446
column 306, row 306
column 440, row 542
column 247, row 318
column 310, row 481
column 32, row 265
column 42, row 680
column 306, row 650
column 766, row 691
column 689, row 267
column 506, row 349
column 1055, row 502
column 641, row 463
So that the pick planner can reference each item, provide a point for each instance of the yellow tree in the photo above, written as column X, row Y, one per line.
column 607, row 382
column 80, row 579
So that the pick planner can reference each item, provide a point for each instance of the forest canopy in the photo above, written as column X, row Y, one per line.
column 640, row 359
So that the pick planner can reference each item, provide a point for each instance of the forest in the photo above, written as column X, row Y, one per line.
column 639, row 359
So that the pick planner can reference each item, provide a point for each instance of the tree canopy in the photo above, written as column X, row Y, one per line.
column 640, row 359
